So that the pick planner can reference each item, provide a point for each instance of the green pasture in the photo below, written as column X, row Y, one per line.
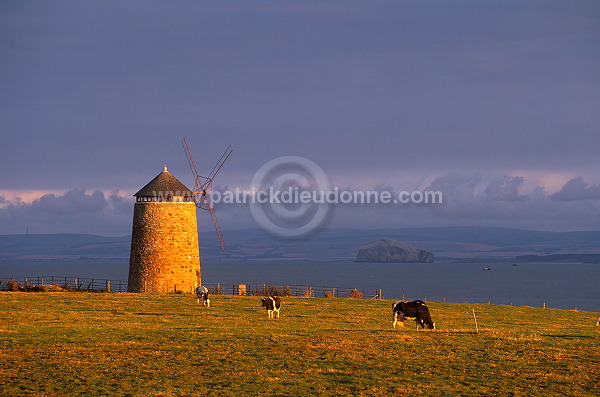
column 95, row 344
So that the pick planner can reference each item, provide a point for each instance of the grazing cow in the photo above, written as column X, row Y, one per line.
column 414, row 310
column 273, row 305
column 202, row 296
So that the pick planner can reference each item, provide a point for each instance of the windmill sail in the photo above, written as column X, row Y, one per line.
column 203, row 186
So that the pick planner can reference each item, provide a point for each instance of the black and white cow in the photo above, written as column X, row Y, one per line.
column 202, row 296
column 413, row 310
column 273, row 305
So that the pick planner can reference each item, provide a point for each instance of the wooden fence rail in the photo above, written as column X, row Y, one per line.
column 307, row 291
column 56, row 283
column 41, row 283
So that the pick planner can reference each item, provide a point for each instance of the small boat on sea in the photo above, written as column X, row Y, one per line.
column 487, row 268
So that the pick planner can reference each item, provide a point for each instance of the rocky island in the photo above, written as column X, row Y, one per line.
column 394, row 251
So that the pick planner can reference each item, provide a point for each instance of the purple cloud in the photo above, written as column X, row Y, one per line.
column 75, row 211
column 577, row 189
column 505, row 189
column 73, row 201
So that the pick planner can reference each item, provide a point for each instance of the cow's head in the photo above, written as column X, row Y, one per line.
column 265, row 301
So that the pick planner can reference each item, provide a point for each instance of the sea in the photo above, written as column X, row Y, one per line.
column 555, row 285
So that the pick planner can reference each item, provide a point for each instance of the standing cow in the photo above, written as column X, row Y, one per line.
column 202, row 296
column 273, row 305
column 413, row 310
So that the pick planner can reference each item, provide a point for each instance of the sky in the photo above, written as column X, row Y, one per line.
column 494, row 103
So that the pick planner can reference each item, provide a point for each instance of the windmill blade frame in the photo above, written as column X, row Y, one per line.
column 203, row 186
column 192, row 165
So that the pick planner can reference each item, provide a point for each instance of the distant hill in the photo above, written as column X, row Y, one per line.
column 63, row 246
column 446, row 243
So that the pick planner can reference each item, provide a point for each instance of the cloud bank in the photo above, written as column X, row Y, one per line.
column 467, row 200
column 576, row 189
column 75, row 211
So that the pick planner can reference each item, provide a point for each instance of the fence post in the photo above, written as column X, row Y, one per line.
column 475, row 318
column 107, row 285
column 310, row 292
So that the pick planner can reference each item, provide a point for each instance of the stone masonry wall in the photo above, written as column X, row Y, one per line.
column 165, row 256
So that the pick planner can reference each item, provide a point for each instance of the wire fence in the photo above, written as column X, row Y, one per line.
column 306, row 291
column 56, row 283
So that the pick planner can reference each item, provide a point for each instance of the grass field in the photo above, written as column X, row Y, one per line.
column 143, row 345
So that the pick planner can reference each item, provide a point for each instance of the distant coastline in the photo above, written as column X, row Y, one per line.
column 448, row 244
column 560, row 258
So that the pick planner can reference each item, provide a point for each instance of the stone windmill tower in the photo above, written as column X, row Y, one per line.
column 165, row 255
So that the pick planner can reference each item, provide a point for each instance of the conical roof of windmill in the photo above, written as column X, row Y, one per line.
column 164, row 184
